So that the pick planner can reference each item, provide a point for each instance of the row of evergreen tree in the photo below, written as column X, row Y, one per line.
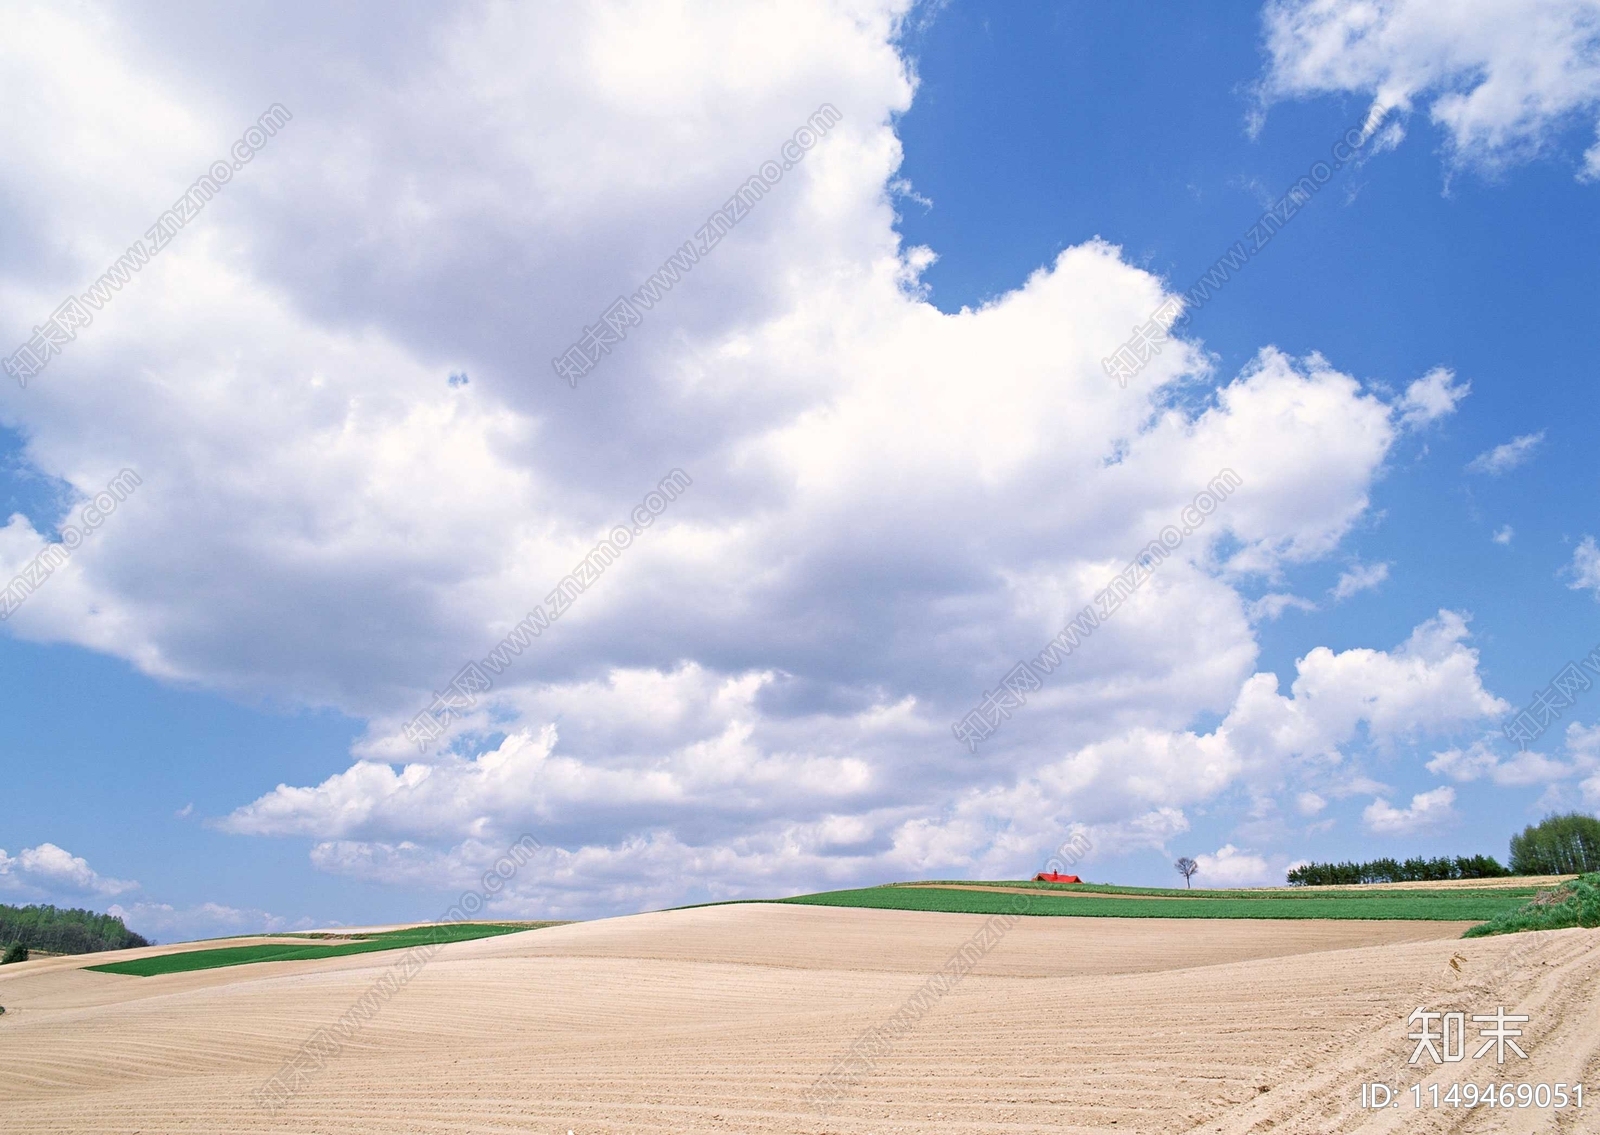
column 60, row 931
column 1415, row 870
column 1558, row 845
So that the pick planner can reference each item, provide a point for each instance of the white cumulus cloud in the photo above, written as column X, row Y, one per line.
column 842, row 818
column 1481, row 760
column 164, row 922
column 1310, row 803
column 891, row 505
column 48, row 869
column 1232, row 867
column 1504, row 458
column 1360, row 577
column 1273, row 604
column 1584, row 571
column 1427, row 810
column 1501, row 78
column 1432, row 396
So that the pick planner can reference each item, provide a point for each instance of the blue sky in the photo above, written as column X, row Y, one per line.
column 907, row 475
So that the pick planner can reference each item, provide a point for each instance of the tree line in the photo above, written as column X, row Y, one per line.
column 1414, row 870
column 1558, row 845
column 60, row 931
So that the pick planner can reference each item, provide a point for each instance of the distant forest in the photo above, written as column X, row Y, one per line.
column 1557, row 845
column 64, row 931
column 1396, row 871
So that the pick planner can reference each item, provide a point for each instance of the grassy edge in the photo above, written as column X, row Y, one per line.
column 1574, row 903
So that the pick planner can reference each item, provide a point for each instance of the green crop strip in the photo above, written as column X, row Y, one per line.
column 308, row 947
column 1424, row 905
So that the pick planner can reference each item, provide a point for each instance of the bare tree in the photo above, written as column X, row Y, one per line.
column 1188, row 868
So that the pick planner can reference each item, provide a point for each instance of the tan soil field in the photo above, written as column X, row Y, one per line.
column 721, row 1018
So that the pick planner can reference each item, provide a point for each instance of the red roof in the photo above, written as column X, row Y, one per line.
column 1052, row 877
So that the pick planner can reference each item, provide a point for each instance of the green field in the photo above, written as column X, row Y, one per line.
column 301, row 947
column 1435, row 906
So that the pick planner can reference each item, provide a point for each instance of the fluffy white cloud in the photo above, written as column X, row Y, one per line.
column 644, row 747
column 1232, row 867
column 1500, row 77
column 48, row 873
column 162, row 922
column 1480, row 760
column 49, row 870
column 1583, row 743
column 1310, row 803
column 1432, row 396
column 1360, row 577
column 891, row 505
column 1429, row 685
column 1584, row 571
column 1427, row 810
column 1152, row 830
column 1503, row 535
column 1273, row 604
column 1504, row 458
column 523, row 781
